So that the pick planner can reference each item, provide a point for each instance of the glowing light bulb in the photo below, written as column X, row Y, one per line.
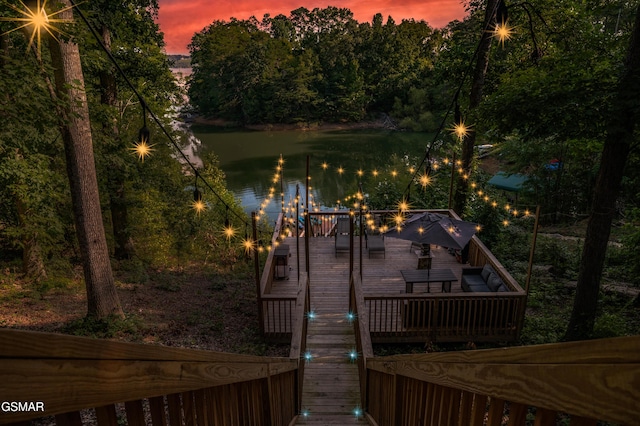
column 502, row 32
column 199, row 206
column 229, row 231
column 403, row 206
column 248, row 245
column 142, row 150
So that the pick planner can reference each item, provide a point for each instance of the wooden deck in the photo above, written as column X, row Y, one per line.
column 331, row 388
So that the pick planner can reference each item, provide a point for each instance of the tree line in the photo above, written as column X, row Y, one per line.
column 316, row 65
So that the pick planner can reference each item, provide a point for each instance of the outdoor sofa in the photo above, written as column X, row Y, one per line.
column 482, row 280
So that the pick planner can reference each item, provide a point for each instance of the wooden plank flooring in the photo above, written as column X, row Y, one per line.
column 331, row 389
column 331, row 385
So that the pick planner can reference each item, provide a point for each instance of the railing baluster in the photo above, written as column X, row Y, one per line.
column 157, row 409
column 479, row 410
column 517, row 414
column 496, row 412
column 68, row 419
column 175, row 409
column 135, row 413
column 545, row 417
column 189, row 410
column 106, row 415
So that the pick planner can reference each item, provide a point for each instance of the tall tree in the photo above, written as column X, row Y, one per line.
column 75, row 127
column 619, row 140
column 477, row 87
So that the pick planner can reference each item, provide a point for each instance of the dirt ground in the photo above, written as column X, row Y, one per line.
column 191, row 308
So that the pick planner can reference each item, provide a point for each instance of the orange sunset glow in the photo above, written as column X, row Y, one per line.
column 180, row 19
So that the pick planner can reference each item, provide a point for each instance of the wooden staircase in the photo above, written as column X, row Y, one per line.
column 331, row 390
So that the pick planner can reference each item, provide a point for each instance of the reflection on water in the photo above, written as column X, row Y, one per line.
column 249, row 160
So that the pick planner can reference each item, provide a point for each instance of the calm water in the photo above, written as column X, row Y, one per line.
column 249, row 160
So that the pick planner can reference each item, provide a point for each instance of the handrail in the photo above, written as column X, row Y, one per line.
column 269, row 265
column 588, row 380
column 299, row 335
column 364, row 346
column 452, row 317
column 67, row 374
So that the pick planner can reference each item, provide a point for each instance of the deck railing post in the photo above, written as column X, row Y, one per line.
column 256, row 271
column 350, row 244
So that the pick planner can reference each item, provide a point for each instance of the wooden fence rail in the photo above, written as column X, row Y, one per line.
column 364, row 347
column 444, row 317
column 299, row 337
column 158, row 385
column 279, row 313
column 585, row 382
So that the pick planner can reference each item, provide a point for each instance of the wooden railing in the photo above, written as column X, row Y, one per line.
column 299, row 337
column 364, row 347
column 444, row 317
column 581, row 382
column 148, row 385
column 277, row 313
column 279, row 316
column 266, row 280
column 323, row 224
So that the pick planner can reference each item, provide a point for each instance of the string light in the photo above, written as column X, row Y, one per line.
column 503, row 33
column 38, row 19
column 142, row 148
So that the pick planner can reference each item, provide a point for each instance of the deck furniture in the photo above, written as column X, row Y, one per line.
column 482, row 280
column 375, row 244
column 342, row 237
column 445, row 276
column 281, row 257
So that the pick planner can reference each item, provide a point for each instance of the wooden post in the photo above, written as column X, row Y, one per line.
column 307, row 226
column 529, row 269
column 361, row 232
column 533, row 250
column 350, row 245
column 256, row 269
column 453, row 168
column 298, row 228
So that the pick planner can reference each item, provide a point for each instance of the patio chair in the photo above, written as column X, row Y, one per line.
column 374, row 243
column 342, row 238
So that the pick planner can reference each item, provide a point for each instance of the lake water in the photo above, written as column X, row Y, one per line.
column 249, row 160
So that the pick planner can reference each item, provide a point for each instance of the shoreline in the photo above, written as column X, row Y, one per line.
column 384, row 123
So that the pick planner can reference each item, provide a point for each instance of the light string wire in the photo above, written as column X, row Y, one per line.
column 155, row 118
column 454, row 101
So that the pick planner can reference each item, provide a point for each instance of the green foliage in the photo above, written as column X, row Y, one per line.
column 109, row 328
column 314, row 65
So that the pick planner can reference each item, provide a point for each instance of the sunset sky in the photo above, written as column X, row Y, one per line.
column 180, row 19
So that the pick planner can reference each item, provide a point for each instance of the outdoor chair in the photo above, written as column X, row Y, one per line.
column 342, row 236
column 374, row 243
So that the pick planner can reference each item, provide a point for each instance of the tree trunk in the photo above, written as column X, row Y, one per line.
column 32, row 261
column 123, row 248
column 75, row 127
column 477, row 86
column 617, row 145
